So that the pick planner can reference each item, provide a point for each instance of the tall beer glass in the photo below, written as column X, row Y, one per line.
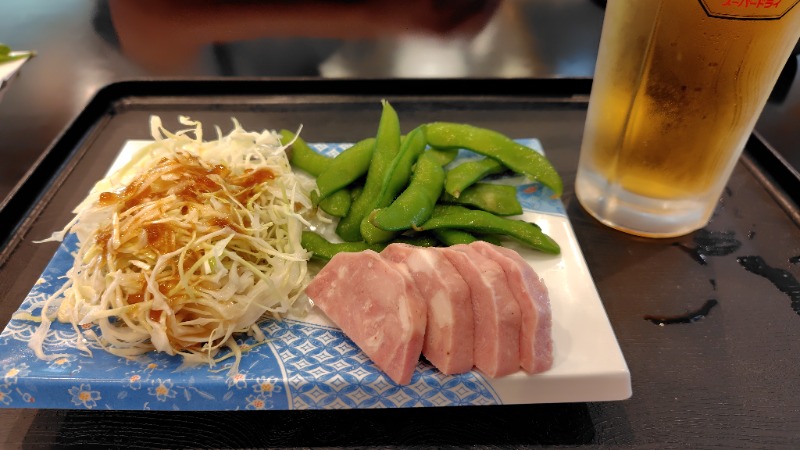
column 678, row 87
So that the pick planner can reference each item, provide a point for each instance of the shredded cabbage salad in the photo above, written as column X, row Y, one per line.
column 187, row 245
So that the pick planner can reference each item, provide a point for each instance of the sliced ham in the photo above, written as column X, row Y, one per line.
column 496, row 313
column 536, row 346
column 448, row 341
column 377, row 306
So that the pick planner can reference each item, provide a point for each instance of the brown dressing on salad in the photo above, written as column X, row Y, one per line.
column 190, row 182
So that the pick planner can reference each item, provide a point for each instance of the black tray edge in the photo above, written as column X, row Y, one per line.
column 775, row 174
column 218, row 86
column 16, row 208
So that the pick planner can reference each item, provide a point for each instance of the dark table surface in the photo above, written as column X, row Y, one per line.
column 726, row 381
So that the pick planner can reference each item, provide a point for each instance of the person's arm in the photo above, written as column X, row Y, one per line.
column 167, row 35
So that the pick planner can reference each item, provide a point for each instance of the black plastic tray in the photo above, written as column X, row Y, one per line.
column 700, row 383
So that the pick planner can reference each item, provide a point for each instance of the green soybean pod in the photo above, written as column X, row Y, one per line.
column 347, row 167
column 462, row 218
column 451, row 236
column 387, row 145
column 323, row 249
column 399, row 172
column 500, row 199
column 415, row 204
column 338, row 203
column 513, row 155
column 443, row 156
column 355, row 191
column 468, row 173
column 304, row 157
column 417, row 240
column 395, row 180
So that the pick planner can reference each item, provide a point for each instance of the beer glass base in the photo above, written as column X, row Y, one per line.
column 642, row 216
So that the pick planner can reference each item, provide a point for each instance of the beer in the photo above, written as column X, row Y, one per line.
column 679, row 85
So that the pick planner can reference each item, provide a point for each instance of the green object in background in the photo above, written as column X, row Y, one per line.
column 6, row 56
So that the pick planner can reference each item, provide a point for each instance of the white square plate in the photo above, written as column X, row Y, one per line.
column 310, row 364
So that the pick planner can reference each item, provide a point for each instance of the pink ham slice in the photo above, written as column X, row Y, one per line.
column 449, row 331
column 495, row 311
column 536, row 345
column 377, row 306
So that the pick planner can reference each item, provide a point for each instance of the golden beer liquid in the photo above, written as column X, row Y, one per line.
column 677, row 93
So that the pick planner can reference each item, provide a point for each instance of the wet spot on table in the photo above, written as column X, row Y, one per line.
column 783, row 280
column 710, row 243
column 689, row 317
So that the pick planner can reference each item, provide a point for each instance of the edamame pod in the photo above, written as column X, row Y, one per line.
column 302, row 156
column 513, row 155
column 415, row 205
column 468, row 173
column 462, row 218
column 500, row 199
column 395, row 180
column 451, row 236
column 387, row 145
column 346, row 168
column 305, row 158
column 443, row 156
column 417, row 240
column 399, row 172
column 338, row 203
column 324, row 249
